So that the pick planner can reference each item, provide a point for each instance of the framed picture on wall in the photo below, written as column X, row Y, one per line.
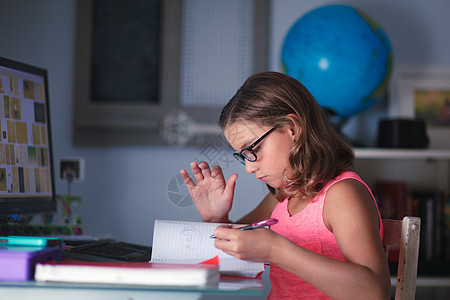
column 423, row 92
column 146, row 73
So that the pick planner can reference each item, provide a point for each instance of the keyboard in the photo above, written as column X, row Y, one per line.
column 109, row 250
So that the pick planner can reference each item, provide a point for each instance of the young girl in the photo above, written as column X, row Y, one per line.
column 327, row 243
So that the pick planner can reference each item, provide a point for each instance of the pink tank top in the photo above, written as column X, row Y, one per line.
column 308, row 230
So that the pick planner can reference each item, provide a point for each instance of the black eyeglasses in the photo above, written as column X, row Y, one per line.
column 248, row 153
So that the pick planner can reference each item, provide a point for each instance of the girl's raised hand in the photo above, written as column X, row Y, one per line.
column 212, row 195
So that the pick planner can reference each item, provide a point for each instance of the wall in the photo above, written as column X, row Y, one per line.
column 126, row 188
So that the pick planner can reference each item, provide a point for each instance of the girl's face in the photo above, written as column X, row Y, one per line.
column 272, row 152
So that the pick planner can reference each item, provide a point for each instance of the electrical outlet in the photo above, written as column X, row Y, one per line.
column 71, row 169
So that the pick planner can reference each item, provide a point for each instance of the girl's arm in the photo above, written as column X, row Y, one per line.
column 262, row 211
column 350, row 213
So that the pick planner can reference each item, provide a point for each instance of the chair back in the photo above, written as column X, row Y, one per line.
column 404, row 234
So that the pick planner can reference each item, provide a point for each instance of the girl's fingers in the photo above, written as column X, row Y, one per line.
column 216, row 171
column 231, row 183
column 204, row 167
column 198, row 174
column 187, row 180
column 222, row 232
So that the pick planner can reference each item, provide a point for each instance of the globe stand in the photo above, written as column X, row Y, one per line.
column 337, row 122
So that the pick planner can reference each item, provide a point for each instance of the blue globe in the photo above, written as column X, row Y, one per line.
column 341, row 55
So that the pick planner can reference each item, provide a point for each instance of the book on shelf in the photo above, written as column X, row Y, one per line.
column 190, row 242
column 391, row 197
column 429, row 206
column 129, row 273
column 446, row 221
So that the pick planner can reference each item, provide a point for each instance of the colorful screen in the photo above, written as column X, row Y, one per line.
column 26, row 168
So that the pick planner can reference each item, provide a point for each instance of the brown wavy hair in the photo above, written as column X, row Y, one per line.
column 319, row 153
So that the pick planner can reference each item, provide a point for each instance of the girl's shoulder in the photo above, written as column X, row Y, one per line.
column 347, row 186
column 344, row 180
column 347, row 175
column 349, row 197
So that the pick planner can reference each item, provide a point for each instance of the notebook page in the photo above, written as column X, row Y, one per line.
column 183, row 240
column 189, row 242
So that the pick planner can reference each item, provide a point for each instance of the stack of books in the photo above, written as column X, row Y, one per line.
column 396, row 200
column 129, row 273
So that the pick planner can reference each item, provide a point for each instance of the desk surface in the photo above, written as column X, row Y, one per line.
column 68, row 291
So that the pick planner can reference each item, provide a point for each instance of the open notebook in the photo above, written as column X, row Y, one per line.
column 190, row 243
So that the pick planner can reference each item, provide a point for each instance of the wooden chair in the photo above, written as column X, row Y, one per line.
column 406, row 235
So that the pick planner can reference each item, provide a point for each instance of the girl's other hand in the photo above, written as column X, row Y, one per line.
column 212, row 195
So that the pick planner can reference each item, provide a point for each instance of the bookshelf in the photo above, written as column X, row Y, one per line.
column 420, row 169
column 384, row 153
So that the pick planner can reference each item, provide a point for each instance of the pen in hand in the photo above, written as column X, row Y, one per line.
column 256, row 225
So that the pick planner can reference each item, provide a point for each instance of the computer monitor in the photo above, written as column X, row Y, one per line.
column 26, row 159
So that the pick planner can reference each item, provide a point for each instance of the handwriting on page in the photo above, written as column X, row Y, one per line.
column 190, row 238
column 183, row 240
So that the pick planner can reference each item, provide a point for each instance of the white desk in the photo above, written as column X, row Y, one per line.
column 49, row 290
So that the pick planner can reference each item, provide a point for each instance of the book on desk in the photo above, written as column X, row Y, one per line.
column 128, row 273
